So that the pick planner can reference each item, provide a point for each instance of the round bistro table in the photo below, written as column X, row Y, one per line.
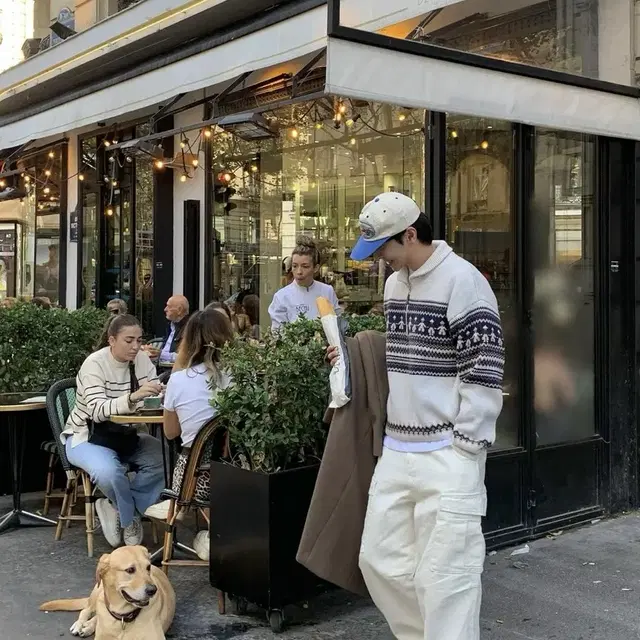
column 12, row 408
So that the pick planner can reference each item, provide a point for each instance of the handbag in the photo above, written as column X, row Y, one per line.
column 121, row 438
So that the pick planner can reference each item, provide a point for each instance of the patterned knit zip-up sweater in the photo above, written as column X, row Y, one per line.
column 445, row 353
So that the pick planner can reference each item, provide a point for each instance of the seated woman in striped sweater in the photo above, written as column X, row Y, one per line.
column 114, row 381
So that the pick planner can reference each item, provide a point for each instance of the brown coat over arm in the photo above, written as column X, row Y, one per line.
column 330, row 543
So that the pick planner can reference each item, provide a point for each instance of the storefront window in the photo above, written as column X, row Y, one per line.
column 89, row 195
column 590, row 38
column 480, row 227
column 327, row 159
column 560, row 235
column 144, row 244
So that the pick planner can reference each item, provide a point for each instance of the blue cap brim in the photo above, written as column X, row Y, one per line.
column 364, row 248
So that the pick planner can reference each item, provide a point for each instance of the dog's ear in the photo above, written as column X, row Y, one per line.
column 103, row 565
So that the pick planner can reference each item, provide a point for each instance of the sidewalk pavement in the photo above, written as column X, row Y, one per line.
column 583, row 584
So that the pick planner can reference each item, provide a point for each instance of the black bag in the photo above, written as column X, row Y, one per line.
column 121, row 438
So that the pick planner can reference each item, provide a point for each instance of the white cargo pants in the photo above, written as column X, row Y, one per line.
column 422, row 549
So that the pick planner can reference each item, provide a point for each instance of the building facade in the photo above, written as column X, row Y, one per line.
column 176, row 146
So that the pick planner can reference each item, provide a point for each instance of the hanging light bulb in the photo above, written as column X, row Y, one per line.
column 27, row 179
column 484, row 144
column 208, row 133
column 342, row 109
column 402, row 117
column 112, row 158
column 51, row 155
column 294, row 133
column 107, row 180
column 454, row 133
column 159, row 164
column 183, row 144
column 226, row 177
column 183, row 177
column 109, row 211
column 352, row 141
column 115, row 141
column 47, row 191
column 114, row 183
column 254, row 168
column 107, row 143
column 80, row 177
column 129, row 159
column 47, row 173
column 195, row 162
column 3, row 184
column 319, row 125
column 51, row 199
column 350, row 122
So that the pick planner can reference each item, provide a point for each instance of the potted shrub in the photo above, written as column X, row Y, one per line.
column 38, row 347
column 261, row 495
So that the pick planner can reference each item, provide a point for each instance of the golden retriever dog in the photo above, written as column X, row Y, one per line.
column 132, row 599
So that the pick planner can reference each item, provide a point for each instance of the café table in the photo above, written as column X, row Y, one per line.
column 154, row 418
column 14, row 406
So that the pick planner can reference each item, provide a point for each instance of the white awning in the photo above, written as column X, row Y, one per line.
column 382, row 75
column 275, row 45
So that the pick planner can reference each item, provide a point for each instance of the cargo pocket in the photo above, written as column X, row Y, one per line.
column 457, row 543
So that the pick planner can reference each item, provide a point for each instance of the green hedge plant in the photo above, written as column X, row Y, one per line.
column 273, row 411
column 40, row 346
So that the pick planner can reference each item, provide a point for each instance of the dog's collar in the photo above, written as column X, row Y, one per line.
column 124, row 618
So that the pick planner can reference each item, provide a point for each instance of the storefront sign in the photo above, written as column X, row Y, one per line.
column 73, row 226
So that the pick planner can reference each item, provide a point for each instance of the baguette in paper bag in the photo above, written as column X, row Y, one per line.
column 339, row 376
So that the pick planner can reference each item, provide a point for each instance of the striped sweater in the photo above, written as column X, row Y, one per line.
column 103, row 385
column 445, row 353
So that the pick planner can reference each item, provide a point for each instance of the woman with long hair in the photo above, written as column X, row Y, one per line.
column 114, row 380
column 299, row 297
column 196, row 378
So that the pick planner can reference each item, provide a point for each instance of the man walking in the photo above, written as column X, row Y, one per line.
column 423, row 550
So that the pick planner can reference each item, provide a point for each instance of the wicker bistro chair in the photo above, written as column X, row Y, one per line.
column 210, row 442
column 61, row 399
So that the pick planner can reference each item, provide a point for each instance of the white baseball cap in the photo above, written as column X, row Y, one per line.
column 385, row 216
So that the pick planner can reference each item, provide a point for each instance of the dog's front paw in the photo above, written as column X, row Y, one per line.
column 83, row 629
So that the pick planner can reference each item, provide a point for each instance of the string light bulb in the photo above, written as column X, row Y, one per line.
column 208, row 133
column 3, row 184
column 114, row 183
column 109, row 211
column 183, row 144
column 226, row 177
column 183, row 177
column 484, row 144
column 294, row 133
column 195, row 162
column 352, row 141
column 454, row 134
column 80, row 177
column 107, row 143
column 47, row 173
column 254, row 168
column 47, row 191
column 159, row 164
column 51, row 155
column 342, row 109
column 402, row 117
column 27, row 179
column 129, row 159
column 318, row 125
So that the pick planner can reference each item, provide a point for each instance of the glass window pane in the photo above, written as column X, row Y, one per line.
column 480, row 228
column 562, row 249
column 327, row 160
column 591, row 38
column 144, row 244
column 89, row 190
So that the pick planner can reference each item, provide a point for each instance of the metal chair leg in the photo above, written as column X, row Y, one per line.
column 89, row 507
column 65, row 510
column 49, row 486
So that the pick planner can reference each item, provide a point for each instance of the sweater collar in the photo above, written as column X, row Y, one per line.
column 116, row 363
column 442, row 250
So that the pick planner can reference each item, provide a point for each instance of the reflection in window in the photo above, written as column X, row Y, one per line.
column 89, row 195
column 144, row 244
column 480, row 228
column 327, row 159
column 562, row 249
column 575, row 36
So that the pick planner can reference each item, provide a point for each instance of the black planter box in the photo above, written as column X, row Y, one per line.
column 256, row 525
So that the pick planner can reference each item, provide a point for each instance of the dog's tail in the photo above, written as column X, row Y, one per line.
column 65, row 605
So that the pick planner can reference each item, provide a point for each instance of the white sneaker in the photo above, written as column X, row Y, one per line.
column 134, row 533
column 160, row 511
column 110, row 522
column 201, row 545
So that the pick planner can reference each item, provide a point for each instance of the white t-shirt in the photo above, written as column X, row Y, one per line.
column 294, row 300
column 189, row 394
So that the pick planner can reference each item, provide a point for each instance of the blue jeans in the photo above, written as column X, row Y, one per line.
column 109, row 473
